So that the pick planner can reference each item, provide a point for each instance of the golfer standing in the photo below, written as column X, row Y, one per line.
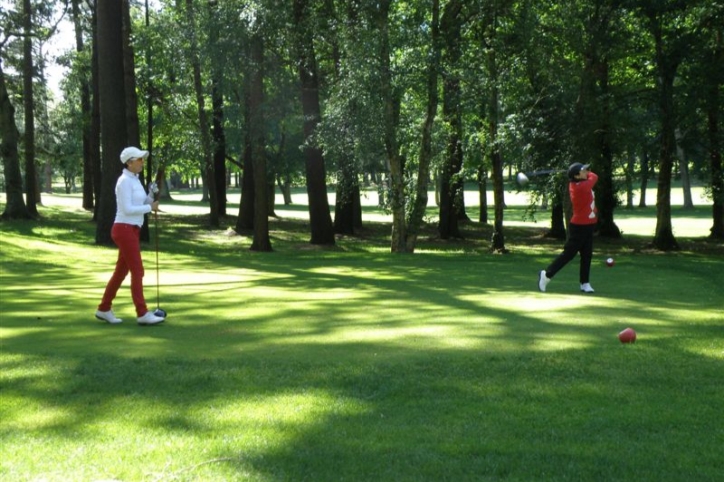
column 132, row 203
column 581, row 227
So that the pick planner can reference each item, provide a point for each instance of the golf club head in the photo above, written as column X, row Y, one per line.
column 522, row 179
column 160, row 312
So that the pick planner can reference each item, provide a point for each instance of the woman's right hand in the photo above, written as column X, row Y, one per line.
column 154, row 206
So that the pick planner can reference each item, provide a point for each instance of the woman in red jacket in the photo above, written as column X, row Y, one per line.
column 581, row 227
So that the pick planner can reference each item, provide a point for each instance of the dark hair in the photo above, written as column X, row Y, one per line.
column 576, row 169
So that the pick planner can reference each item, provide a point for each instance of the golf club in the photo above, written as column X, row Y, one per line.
column 523, row 178
column 158, row 311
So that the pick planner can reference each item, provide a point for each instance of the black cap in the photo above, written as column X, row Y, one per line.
column 576, row 168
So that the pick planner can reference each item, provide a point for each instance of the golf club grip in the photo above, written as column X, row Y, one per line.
column 159, row 180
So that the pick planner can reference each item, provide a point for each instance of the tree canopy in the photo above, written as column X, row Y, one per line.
column 407, row 96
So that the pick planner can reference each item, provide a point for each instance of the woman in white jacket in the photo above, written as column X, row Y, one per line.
column 132, row 203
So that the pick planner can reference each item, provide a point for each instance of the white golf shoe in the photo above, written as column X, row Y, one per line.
column 587, row 288
column 108, row 317
column 149, row 319
column 543, row 280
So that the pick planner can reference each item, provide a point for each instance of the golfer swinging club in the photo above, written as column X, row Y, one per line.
column 581, row 227
column 132, row 203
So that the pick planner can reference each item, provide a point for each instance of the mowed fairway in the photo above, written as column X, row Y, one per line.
column 353, row 364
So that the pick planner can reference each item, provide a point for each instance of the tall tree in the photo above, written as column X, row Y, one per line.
column 85, row 101
column 32, row 191
column 245, row 219
column 217, row 111
column 491, row 49
column 594, row 110
column 320, row 219
column 15, row 204
column 129, row 79
column 450, row 180
column 153, row 172
column 545, row 102
column 664, row 21
column 390, row 119
column 95, row 118
column 204, row 131
column 714, row 74
column 112, row 110
column 419, row 201
column 493, row 122
column 347, row 208
column 261, row 241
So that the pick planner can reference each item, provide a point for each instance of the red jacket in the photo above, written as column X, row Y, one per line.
column 584, row 200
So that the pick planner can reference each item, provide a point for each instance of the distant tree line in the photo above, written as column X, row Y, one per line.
column 408, row 95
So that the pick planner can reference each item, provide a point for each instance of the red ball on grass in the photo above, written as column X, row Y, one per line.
column 627, row 336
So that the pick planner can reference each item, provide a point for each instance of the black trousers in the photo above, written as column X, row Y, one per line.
column 580, row 240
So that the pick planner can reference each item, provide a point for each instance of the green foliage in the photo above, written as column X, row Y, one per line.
column 550, row 107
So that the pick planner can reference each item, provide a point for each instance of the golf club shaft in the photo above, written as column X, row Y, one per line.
column 158, row 297
column 544, row 172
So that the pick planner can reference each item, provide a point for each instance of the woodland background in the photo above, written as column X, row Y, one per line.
column 408, row 96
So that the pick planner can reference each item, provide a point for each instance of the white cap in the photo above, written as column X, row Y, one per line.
column 130, row 153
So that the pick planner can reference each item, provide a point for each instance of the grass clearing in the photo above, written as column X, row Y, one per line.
column 351, row 363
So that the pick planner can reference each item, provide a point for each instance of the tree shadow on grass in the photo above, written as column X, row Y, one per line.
column 339, row 366
column 383, row 410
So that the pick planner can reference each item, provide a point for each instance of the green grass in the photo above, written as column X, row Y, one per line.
column 350, row 363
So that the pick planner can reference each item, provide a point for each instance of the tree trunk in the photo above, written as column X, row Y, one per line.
column 285, row 186
column 129, row 80
column 348, row 208
column 498, row 237
column 630, row 169
column 32, row 193
column 419, row 204
column 95, row 121
column 270, row 192
column 644, row 178
column 483, row 194
column 85, row 107
column 683, row 170
column 606, row 193
column 666, row 69
column 559, row 197
column 15, row 207
column 129, row 76
column 217, row 117
column 496, row 157
column 155, row 167
column 685, row 182
column 347, row 205
column 245, row 220
column 320, row 219
column 713, row 108
column 113, row 111
column 390, row 119
column 207, row 165
column 219, row 144
column 261, row 240
column 451, row 110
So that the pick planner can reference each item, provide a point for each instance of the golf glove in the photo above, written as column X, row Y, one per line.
column 153, row 188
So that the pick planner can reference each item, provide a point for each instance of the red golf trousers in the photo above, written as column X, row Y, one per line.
column 127, row 238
